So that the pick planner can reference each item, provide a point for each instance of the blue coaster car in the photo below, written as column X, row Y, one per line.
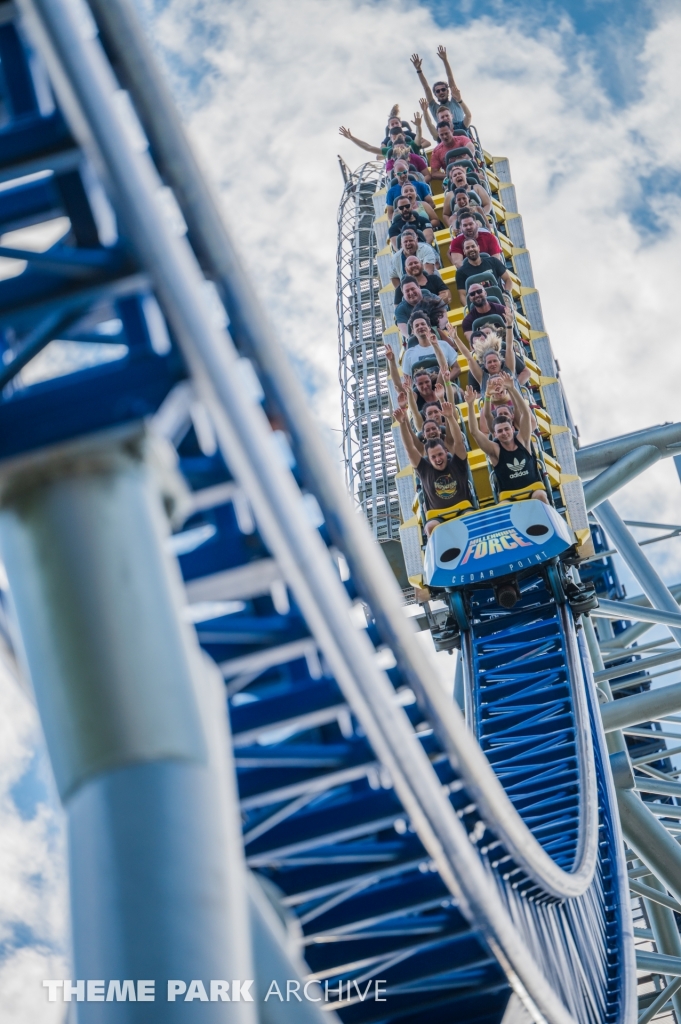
column 495, row 542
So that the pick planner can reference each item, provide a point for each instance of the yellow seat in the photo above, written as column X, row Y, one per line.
column 477, row 460
column 522, row 493
column 448, row 513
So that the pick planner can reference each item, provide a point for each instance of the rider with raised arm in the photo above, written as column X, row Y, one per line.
column 443, row 473
column 510, row 453
column 461, row 115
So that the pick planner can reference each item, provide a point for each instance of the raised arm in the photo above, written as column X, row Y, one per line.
column 467, row 116
column 490, row 448
column 403, row 401
column 455, row 91
column 473, row 366
column 523, row 410
column 459, row 445
column 509, row 354
column 407, row 437
column 449, row 390
column 439, row 354
column 347, row 134
column 418, row 123
column 418, row 66
column 430, row 124
column 416, row 416
column 392, row 368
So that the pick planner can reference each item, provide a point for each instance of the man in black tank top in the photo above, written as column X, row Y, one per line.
column 510, row 453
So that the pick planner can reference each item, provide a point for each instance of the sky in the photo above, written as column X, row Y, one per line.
column 583, row 99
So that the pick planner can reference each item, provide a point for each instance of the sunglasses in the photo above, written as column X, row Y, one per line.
column 403, row 209
column 478, row 291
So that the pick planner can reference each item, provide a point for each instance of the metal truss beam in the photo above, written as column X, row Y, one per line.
column 650, row 841
column 651, row 583
column 641, row 707
column 619, row 474
column 594, row 458
column 627, row 610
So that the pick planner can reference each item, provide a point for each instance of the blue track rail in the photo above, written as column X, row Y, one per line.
column 524, row 707
column 322, row 819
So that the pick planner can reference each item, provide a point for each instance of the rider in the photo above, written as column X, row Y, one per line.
column 443, row 473
column 510, row 453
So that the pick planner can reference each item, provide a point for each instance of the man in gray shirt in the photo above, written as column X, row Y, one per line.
column 410, row 246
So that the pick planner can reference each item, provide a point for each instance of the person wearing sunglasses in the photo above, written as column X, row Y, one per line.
column 476, row 262
column 406, row 217
column 442, row 98
column 425, row 209
column 400, row 151
column 479, row 305
column 401, row 174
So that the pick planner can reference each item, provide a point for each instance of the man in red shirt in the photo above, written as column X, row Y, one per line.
column 471, row 228
column 448, row 141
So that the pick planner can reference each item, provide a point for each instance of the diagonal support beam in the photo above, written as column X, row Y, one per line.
column 652, row 585
column 657, row 963
column 627, row 610
column 651, row 842
column 594, row 458
column 634, row 632
column 619, row 474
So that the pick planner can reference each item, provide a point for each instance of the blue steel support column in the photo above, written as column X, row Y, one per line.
column 156, row 865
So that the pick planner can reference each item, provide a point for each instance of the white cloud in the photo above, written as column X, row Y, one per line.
column 33, row 912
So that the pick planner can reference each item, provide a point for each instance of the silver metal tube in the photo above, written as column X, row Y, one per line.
column 79, row 69
column 659, row 1002
column 627, row 610
column 665, row 932
column 619, row 474
column 594, row 458
column 641, row 707
column 634, row 632
column 652, row 585
column 155, row 856
column 615, row 741
column 650, row 785
column 617, row 671
column 276, row 962
column 650, row 840
column 656, row 963
column 656, row 896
